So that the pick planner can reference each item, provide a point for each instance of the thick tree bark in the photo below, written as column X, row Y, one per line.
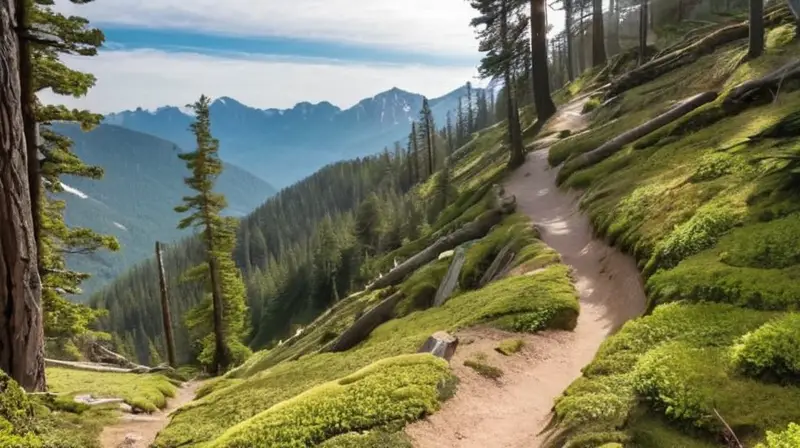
column 568, row 37
column 541, row 84
column 514, row 128
column 642, row 31
column 598, row 34
column 165, row 312
column 617, row 143
column 21, row 328
column 756, row 45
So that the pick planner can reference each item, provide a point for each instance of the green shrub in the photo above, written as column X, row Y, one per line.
column 790, row 438
column 403, row 388
column 592, row 104
column 772, row 351
column 479, row 364
column 16, row 416
column 510, row 346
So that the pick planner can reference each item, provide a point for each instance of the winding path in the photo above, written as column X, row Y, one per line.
column 140, row 430
column 513, row 412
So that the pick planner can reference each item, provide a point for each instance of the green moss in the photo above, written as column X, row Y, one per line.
column 17, row 422
column 772, row 351
column 478, row 362
column 395, row 389
column 789, row 438
column 510, row 346
column 420, row 289
column 146, row 392
column 369, row 439
column 769, row 245
column 214, row 385
column 592, row 104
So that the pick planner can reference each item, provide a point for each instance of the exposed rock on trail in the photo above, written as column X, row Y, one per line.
column 140, row 430
column 513, row 411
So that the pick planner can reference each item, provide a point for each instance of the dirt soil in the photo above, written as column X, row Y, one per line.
column 140, row 430
column 515, row 410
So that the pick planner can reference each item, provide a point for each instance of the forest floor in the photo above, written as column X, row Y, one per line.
column 140, row 430
column 514, row 410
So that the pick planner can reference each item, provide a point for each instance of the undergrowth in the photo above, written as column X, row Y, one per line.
column 145, row 392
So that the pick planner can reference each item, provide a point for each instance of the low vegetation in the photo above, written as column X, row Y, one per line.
column 509, row 347
column 148, row 392
column 708, row 208
column 480, row 364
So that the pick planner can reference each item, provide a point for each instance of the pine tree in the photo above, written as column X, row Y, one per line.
column 545, row 107
column 369, row 224
column 470, row 113
column 227, row 306
column 460, row 131
column 598, row 34
column 756, row 44
column 426, row 132
column 449, row 133
column 414, row 154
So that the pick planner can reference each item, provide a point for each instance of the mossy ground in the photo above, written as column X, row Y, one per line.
column 145, row 392
column 296, row 378
column 712, row 221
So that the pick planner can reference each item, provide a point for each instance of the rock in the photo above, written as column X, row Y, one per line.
column 440, row 344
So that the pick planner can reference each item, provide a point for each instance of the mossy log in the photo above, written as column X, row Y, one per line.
column 770, row 83
column 476, row 229
column 364, row 325
column 101, row 355
column 692, row 52
column 450, row 280
column 607, row 149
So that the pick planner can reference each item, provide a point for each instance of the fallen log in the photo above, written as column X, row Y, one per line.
column 500, row 261
column 364, row 325
column 450, row 280
column 607, row 149
column 92, row 366
column 101, row 355
column 690, row 53
column 771, row 82
column 476, row 229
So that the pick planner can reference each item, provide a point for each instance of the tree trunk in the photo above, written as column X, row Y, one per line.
column 221, row 351
column 568, row 36
column 541, row 84
column 581, row 43
column 364, row 325
column 642, row 31
column 598, row 35
column 613, row 35
column 756, row 46
column 429, row 136
column 165, row 312
column 21, row 329
column 450, row 280
column 607, row 149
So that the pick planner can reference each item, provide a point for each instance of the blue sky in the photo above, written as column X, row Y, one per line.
column 272, row 53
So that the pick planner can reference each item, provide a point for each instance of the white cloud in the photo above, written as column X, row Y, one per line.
column 430, row 26
column 153, row 78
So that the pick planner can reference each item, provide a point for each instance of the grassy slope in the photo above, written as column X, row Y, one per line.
column 257, row 404
column 714, row 229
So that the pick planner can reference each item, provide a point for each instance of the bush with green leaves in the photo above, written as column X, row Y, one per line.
column 510, row 346
column 772, row 351
column 17, row 422
column 789, row 438
column 403, row 388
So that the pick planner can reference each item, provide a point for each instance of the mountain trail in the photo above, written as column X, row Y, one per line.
column 512, row 412
column 140, row 430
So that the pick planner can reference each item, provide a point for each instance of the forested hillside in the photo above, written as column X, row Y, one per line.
column 143, row 182
column 309, row 244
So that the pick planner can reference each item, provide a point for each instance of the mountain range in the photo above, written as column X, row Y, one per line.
column 134, row 201
column 283, row 146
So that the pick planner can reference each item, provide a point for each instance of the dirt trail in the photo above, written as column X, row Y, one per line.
column 140, row 430
column 513, row 411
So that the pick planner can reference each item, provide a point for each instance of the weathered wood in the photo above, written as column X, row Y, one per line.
column 614, row 145
column 690, row 53
column 476, row 229
column 499, row 261
column 165, row 312
column 440, row 344
column 101, row 355
column 21, row 326
column 364, row 325
column 772, row 81
column 450, row 280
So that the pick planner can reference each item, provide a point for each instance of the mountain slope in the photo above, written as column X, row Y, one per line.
column 134, row 201
column 283, row 146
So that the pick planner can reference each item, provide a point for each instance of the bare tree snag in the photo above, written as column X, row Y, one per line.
column 165, row 313
column 614, row 145
column 364, row 325
column 21, row 327
column 471, row 231
column 500, row 261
